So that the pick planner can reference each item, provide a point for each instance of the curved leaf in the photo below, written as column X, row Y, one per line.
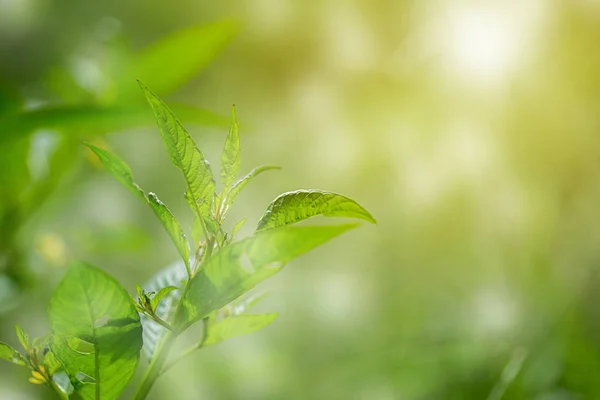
column 188, row 51
column 118, row 168
column 238, row 268
column 122, row 172
column 156, row 299
column 238, row 226
column 22, row 336
column 172, row 227
column 93, row 307
column 238, row 186
column 230, row 158
column 238, row 325
column 9, row 354
column 184, row 155
column 295, row 206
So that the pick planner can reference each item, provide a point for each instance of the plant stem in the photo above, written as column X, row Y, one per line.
column 155, row 367
column 183, row 355
column 189, row 350
column 160, row 321
column 159, row 358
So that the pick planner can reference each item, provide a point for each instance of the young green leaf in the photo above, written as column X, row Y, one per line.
column 239, row 185
column 118, row 168
column 238, row 226
column 9, row 354
column 188, row 51
column 230, row 158
column 211, row 226
column 85, row 296
column 238, row 325
column 172, row 227
column 295, row 206
column 236, row 269
column 23, row 337
column 155, row 301
column 122, row 172
column 184, row 155
column 50, row 361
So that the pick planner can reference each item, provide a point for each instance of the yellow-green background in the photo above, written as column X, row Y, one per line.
column 470, row 129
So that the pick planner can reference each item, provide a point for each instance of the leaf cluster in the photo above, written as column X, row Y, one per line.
column 49, row 134
column 97, row 330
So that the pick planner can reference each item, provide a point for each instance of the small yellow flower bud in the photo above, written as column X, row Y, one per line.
column 35, row 381
column 38, row 376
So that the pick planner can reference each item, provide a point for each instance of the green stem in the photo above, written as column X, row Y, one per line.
column 153, row 371
column 160, row 321
column 183, row 355
column 160, row 357
column 189, row 350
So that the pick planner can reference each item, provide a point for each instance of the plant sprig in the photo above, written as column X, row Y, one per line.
column 95, row 326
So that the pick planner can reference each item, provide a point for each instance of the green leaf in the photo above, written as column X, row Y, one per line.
column 230, row 157
column 211, row 226
column 239, row 267
column 238, row 186
column 42, row 347
column 184, row 155
column 122, row 172
column 174, row 60
column 173, row 275
column 50, row 361
column 93, row 307
column 9, row 354
column 172, row 227
column 23, row 337
column 159, row 296
column 118, row 168
column 237, row 326
column 238, row 226
column 295, row 206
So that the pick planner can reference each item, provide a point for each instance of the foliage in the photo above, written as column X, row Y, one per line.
column 72, row 111
column 95, row 330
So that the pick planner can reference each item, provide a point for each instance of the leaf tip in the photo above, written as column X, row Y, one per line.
column 147, row 92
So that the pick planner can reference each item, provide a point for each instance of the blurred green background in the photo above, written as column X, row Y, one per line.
column 470, row 129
